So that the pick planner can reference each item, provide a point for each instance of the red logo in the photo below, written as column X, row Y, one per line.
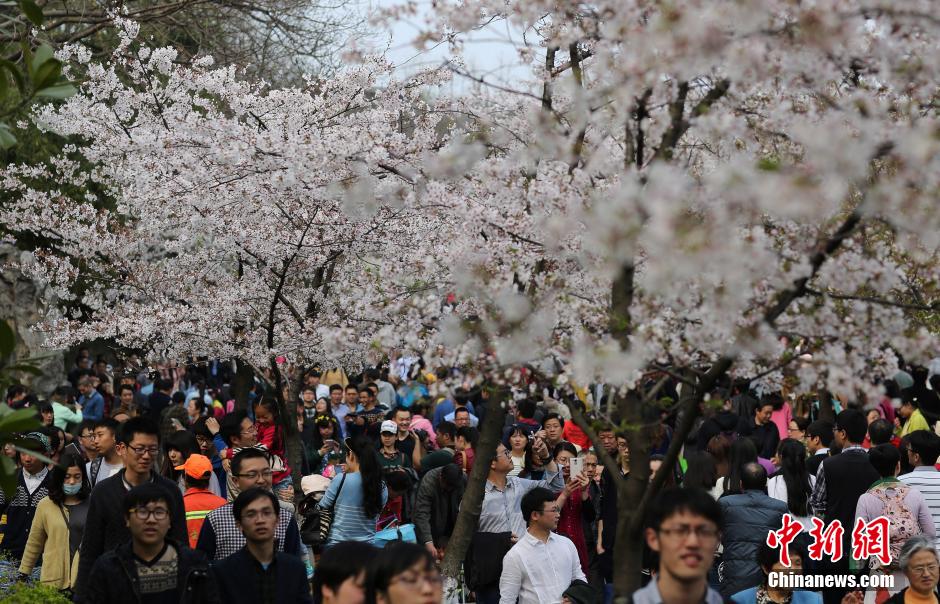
column 868, row 539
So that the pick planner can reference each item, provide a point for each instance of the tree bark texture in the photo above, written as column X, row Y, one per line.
column 472, row 501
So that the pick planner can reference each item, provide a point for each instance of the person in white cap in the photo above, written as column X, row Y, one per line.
column 390, row 457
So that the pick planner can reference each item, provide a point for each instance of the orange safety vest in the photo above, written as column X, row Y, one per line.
column 198, row 503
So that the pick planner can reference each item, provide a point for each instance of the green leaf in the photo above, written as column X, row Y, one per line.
column 47, row 74
column 32, row 11
column 30, row 450
column 60, row 91
column 41, row 56
column 7, row 337
column 4, row 84
column 7, row 476
column 14, row 71
column 7, row 139
column 21, row 420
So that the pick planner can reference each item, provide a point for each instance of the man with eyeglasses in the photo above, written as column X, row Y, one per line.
column 236, row 433
column 258, row 573
column 105, row 526
column 220, row 536
column 682, row 528
column 150, row 568
column 501, row 521
column 542, row 564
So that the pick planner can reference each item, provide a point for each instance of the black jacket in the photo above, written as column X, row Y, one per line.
column 114, row 578
column 105, row 528
column 239, row 579
column 436, row 509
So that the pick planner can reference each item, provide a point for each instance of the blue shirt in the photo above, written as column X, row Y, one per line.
column 445, row 408
column 92, row 406
column 350, row 522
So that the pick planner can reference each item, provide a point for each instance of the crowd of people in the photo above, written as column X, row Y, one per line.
column 164, row 488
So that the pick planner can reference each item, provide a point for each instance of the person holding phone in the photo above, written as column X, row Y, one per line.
column 576, row 507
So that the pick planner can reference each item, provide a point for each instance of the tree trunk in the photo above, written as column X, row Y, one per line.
column 242, row 384
column 472, row 501
column 287, row 411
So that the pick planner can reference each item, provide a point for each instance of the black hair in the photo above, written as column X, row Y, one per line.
column 124, row 387
column 247, row 453
column 880, row 432
column 371, row 473
column 822, row 430
column 768, row 556
column 742, row 451
column 270, row 404
column 44, row 407
column 774, row 399
column 469, row 434
column 336, row 387
column 67, row 460
column 885, row 459
column 560, row 419
column 451, row 476
column 308, row 389
column 565, row 446
column 526, row 408
column 248, row 496
column 148, row 492
column 926, row 444
column 673, row 500
column 339, row 563
column 351, row 386
column 163, row 384
column 363, row 388
column 178, row 398
column 461, row 410
column 448, row 428
column 397, row 410
column 231, row 426
column 87, row 424
column 700, row 470
column 134, row 426
column 183, row 441
column 534, row 501
column 792, row 456
column 111, row 424
column 753, row 477
column 196, row 483
column 392, row 561
column 854, row 424
column 200, row 403
column 802, row 423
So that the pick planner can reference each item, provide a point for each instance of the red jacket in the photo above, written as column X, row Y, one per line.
column 272, row 437
column 198, row 503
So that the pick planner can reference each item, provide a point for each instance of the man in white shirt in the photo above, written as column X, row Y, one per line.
column 542, row 564
column 109, row 462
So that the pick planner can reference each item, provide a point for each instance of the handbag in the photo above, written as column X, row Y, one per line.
column 393, row 533
column 317, row 522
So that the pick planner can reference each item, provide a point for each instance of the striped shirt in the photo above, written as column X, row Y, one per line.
column 926, row 479
column 350, row 522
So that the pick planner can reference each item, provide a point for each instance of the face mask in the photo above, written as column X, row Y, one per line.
column 71, row 489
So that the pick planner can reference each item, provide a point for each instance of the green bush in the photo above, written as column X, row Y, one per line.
column 23, row 593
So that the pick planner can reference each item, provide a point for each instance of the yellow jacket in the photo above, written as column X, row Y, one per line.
column 49, row 538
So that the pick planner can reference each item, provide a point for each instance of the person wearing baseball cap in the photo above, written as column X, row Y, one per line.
column 198, row 500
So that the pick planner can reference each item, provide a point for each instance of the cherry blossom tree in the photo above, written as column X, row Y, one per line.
column 687, row 192
column 241, row 222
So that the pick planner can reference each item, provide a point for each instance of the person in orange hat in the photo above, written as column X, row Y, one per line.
column 198, row 500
